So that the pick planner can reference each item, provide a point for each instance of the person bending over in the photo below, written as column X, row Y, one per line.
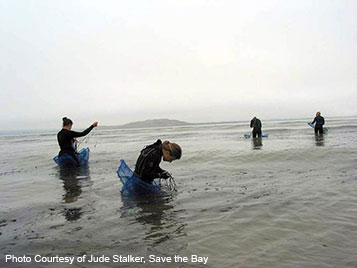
column 319, row 121
column 147, row 166
column 257, row 127
column 66, row 138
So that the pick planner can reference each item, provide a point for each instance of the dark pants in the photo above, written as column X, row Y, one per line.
column 318, row 130
column 257, row 132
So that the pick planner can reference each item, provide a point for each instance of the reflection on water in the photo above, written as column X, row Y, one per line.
column 156, row 213
column 72, row 185
column 319, row 140
column 257, row 143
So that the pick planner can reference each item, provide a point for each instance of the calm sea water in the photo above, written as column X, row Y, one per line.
column 289, row 200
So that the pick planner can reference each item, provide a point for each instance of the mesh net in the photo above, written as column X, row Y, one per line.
column 66, row 160
column 133, row 185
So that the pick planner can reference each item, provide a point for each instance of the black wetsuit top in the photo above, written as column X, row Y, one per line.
column 319, row 120
column 257, row 127
column 147, row 165
column 256, row 124
column 65, row 140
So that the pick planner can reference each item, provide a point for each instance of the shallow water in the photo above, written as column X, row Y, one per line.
column 285, row 201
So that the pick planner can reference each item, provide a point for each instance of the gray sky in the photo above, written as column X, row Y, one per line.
column 191, row 60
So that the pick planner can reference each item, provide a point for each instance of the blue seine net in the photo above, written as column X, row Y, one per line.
column 133, row 185
column 66, row 161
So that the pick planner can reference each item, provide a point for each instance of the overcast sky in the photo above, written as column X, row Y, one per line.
column 191, row 60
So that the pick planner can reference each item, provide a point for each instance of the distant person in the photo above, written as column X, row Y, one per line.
column 66, row 138
column 147, row 166
column 257, row 127
column 319, row 121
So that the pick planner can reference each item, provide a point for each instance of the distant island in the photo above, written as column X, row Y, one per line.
column 155, row 123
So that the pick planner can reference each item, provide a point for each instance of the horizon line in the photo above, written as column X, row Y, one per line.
column 188, row 123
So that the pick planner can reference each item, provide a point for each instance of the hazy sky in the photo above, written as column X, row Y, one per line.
column 191, row 60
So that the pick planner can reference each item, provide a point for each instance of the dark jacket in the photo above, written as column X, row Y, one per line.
column 256, row 124
column 147, row 166
column 319, row 120
column 66, row 137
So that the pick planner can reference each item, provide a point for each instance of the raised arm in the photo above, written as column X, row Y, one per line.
column 75, row 134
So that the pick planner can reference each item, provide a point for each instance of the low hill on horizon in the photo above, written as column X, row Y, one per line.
column 154, row 123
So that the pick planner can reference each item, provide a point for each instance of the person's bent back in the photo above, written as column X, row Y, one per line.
column 147, row 166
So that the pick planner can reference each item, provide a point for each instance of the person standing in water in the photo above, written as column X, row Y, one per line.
column 147, row 166
column 319, row 121
column 66, row 138
column 257, row 127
